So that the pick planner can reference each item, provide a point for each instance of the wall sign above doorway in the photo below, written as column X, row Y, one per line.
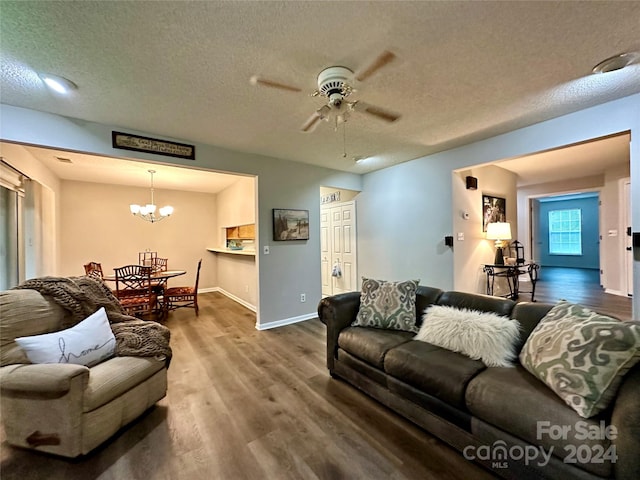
column 330, row 198
column 137, row 143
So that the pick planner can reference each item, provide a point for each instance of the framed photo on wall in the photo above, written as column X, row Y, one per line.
column 290, row 224
column 494, row 209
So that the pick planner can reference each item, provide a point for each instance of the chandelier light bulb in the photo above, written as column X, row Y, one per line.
column 166, row 211
column 147, row 212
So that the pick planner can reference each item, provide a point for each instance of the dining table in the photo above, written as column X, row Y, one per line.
column 158, row 278
column 158, row 282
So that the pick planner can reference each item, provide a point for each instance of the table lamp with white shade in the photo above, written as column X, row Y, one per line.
column 499, row 231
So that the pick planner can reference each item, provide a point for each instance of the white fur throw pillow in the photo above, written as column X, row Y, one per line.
column 480, row 335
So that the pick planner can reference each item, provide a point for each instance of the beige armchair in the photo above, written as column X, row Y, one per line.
column 66, row 409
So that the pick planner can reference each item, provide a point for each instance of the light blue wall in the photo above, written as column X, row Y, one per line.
column 291, row 268
column 404, row 212
column 590, row 257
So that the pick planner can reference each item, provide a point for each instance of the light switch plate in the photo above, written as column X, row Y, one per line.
column 265, row 250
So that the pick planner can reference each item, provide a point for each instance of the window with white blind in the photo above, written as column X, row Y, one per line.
column 565, row 232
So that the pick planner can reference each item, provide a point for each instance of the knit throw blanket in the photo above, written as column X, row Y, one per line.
column 82, row 296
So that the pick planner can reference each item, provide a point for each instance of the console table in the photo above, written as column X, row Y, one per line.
column 512, row 274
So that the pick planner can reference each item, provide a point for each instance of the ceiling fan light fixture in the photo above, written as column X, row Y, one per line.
column 617, row 62
column 57, row 83
column 334, row 80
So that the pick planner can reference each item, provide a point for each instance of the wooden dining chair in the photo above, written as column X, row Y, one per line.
column 134, row 289
column 94, row 269
column 179, row 297
column 159, row 264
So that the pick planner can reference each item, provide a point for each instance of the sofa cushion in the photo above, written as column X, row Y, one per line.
column 371, row 344
column 87, row 343
column 517, row 402
column 582, row 355
column 434, row 370
column 23, row 313
column 112, row 378
column 479, row 335
column 425, row 297
column 528, row 315
column 388, row 305
column 475, row 301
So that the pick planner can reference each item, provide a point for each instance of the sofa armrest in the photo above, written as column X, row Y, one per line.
column 337, row 313
column 45, row 378
column 626, row 418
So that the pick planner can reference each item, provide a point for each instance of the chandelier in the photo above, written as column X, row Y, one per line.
column 148, row 212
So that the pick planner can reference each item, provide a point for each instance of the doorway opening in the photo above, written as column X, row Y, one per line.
column 338, row 241
column 90, row 196
column 598, row 165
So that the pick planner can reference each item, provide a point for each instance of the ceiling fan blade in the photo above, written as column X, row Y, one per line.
column 315, row 118
column 311, row 123
column 384, row 58
column 256, row 80
column 377, row 112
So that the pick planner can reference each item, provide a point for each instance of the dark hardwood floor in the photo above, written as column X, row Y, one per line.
column 579, row 285
column 246, row 404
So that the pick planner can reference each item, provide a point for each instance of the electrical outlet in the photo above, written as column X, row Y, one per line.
column 246, row 288
column 303, row 297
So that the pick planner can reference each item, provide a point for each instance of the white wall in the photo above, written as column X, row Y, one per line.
column 237, row 274
column 613, row 248
column 19, row 158
column 97, row 226
column 404, row 211
column 470, row 254
column 291, row 268
column 236, row 204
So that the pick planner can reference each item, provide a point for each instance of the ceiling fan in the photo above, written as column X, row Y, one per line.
column 335, row 84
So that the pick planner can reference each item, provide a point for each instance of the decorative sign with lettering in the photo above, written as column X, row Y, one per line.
column 331, row 197
column 137, row 143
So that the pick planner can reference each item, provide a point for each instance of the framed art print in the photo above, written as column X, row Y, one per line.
column 290, row 224
column 494, row 209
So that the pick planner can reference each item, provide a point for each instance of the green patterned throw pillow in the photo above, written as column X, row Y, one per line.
column 582, row 355
column 390, row 305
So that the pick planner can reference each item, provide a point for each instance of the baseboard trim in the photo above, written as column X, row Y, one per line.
column 242, row 302
column 208, row 290
column 262, row 326
column 286, row 321
column 615, row 292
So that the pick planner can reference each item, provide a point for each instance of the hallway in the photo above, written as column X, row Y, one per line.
column 580, row 285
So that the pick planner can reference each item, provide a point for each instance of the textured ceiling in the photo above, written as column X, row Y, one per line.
column 464, row 70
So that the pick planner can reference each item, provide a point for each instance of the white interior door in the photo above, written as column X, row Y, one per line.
column 628, row 252
column 325, row 250
column 338, row 235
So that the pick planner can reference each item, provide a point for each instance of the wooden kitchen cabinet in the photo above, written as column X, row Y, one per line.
column 242, row 232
